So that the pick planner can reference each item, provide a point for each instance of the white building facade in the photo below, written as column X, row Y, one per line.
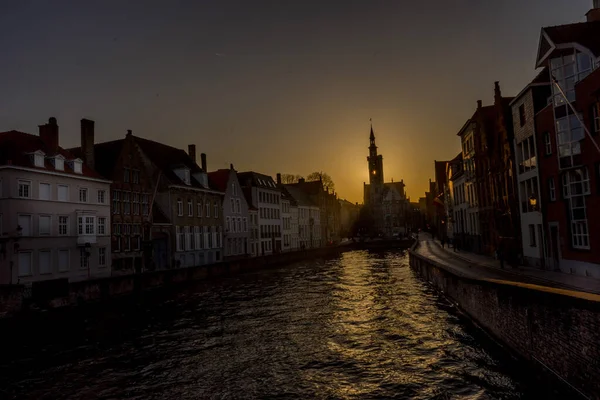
column 54, row 212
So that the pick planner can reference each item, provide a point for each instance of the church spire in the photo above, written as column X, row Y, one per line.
column 372, row 136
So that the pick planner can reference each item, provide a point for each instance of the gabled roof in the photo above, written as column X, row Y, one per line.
column 16, row 147
column 167, row 158
column 586, row 34
column 285, row 195
column 541, row 79
column 105, row 156
column 255, row 179
column 218, row 179
column 301, row 197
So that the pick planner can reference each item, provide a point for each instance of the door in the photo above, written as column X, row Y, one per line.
column 555, row 246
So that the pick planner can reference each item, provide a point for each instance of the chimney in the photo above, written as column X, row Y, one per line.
column 230, row 166
column 87, row 142
column 497, row 92
column 192, row 152
column 203, row 160
column 594, row 14
column 479, row 104
column 49, row 134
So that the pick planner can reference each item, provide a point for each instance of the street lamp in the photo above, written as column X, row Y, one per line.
column 533, row 202
column 12, row 237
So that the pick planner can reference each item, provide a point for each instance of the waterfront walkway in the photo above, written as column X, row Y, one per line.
column 482, row 267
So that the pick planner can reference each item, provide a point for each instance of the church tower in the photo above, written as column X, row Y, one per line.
column 375, row 163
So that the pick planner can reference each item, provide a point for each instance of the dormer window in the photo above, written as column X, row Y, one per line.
column 59, row 162
column 78, row 166
column 38, row 158
column 183, row 174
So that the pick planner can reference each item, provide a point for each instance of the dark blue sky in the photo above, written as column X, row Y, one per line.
column 274, row 86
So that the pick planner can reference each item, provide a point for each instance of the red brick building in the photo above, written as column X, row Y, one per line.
column 495, row 197
column 568, row 157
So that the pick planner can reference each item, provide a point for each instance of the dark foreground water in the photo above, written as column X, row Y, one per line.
column 360, row 326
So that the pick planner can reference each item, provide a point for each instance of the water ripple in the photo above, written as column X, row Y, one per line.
column 360, row 326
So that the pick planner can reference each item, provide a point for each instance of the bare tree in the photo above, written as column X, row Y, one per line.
column 290, row 178
column 328, row 183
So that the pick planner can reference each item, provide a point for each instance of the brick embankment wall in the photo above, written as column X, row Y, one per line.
column 554, row 330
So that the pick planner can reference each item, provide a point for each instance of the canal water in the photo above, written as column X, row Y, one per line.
column 360, row 326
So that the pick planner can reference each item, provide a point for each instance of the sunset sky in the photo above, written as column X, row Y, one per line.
column 273, row 86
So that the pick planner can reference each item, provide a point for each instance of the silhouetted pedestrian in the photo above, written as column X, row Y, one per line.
column 442, row 242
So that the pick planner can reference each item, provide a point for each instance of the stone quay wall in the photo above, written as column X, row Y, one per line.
column 548, row 328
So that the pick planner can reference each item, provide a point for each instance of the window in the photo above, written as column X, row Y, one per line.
column 575, row 186
column 180, row 238
column 135, row 176
column 522, row 114
column 38, row 160
column 117, row 246
column 127, row 237
column 568, row 70
column 237, row 204
column 196, row 238
column 531, row 235
column 210, row 237
column 83, row 195
column 180, row 207
column 63, row 193
column 45, row 261
column 232, row 205
column 102, row 256
column 219, row 237
column 199, row 208
column 24, row 222
column 45, row 191
column 245, row 225
column 576, row 183
column 77, row 166
column 145, row 204
column 190, row 209
column 207, row 209
column 569, row 133
column 126, row 175
column 126, row 203
column 84, row 258
column 193, row 237
column 136, row 204
column 200, row 238
column 116, row 202
column 228, row 224
column 45, row 223
column 186, row 237
column 63, row 260
column 59, row 163
column 24, row 189
column 85, row 225
column 234, row 189
column 551, row 189
column 216, row 208
column 63, row 225
column 101, row 196
column 547, row 143
column 526, row 155
column 101, row 226
column 25, row 263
